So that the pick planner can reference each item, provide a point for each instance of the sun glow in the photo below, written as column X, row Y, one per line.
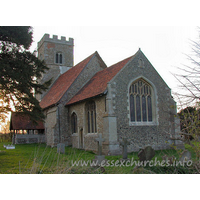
column 4, row 117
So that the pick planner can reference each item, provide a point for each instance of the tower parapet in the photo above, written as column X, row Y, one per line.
column 46, row 38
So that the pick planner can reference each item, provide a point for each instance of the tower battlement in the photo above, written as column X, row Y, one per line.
column 46, row 38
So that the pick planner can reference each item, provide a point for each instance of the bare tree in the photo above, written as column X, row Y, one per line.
column 189, row 78
column 189, row 99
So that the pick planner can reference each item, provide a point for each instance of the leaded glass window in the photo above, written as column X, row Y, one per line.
column 91, row 117
column 74, row 122
column 140, row 94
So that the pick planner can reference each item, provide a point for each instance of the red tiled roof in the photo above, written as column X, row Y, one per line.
column 98, row 84
column 21, row 121
column 63, row 83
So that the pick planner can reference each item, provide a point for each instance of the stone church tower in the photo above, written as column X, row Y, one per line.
column 58, row 56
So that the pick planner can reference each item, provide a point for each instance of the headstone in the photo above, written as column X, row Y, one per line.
column 142, row 155
column 124, row 145
column 150, row 153
column 61, row 148
column 146, row 154
column 99, row 157
column 186, row 155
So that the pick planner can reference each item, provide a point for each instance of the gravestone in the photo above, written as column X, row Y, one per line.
column 99, row 157
column 186, row 155
column 61, row 148
column 124, row 145
column 146, row 154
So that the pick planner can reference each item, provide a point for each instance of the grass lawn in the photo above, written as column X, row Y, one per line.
column 42, row 159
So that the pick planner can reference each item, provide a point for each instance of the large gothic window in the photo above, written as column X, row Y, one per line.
column 140, row 93
column 74, row 122
column 91, row 117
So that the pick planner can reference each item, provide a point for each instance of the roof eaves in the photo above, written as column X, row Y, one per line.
column 50, row 106
column 57, row 102
column 92, row 56
column 105, row 89
column 82, row 100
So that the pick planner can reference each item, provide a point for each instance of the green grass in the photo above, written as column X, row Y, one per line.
column 38, row 158
column 42, row 159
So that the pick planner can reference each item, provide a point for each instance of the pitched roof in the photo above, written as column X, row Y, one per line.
column 63, row 83
column 98, row 84
column 21, row 121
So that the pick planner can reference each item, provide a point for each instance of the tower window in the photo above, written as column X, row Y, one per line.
column 59, row 59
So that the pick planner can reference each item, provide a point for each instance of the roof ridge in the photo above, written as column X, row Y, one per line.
column 100, row 80
column 78, row 68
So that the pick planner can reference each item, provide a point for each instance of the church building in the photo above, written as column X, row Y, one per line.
column 128, row 99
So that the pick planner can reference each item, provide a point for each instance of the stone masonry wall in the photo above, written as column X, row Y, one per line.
column 51, row 129
column 48, row 47
column 74, row 139
column 88, row 141
column 88, row 72
column 155, row 135
column 28, row 138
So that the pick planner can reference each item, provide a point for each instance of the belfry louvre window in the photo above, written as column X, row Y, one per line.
column 59, row 58
column 91, row 117
column 74, row 122
column 140, row 93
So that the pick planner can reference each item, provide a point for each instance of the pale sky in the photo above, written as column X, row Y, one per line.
column 116, row 29
column 164, row 46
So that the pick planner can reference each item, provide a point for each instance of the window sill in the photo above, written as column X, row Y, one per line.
column 142, row 124
column 91, row 134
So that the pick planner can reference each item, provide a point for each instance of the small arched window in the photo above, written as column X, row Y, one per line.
column 59, row 59
column 91, row 117
column 140, row 94
column 74, row 122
